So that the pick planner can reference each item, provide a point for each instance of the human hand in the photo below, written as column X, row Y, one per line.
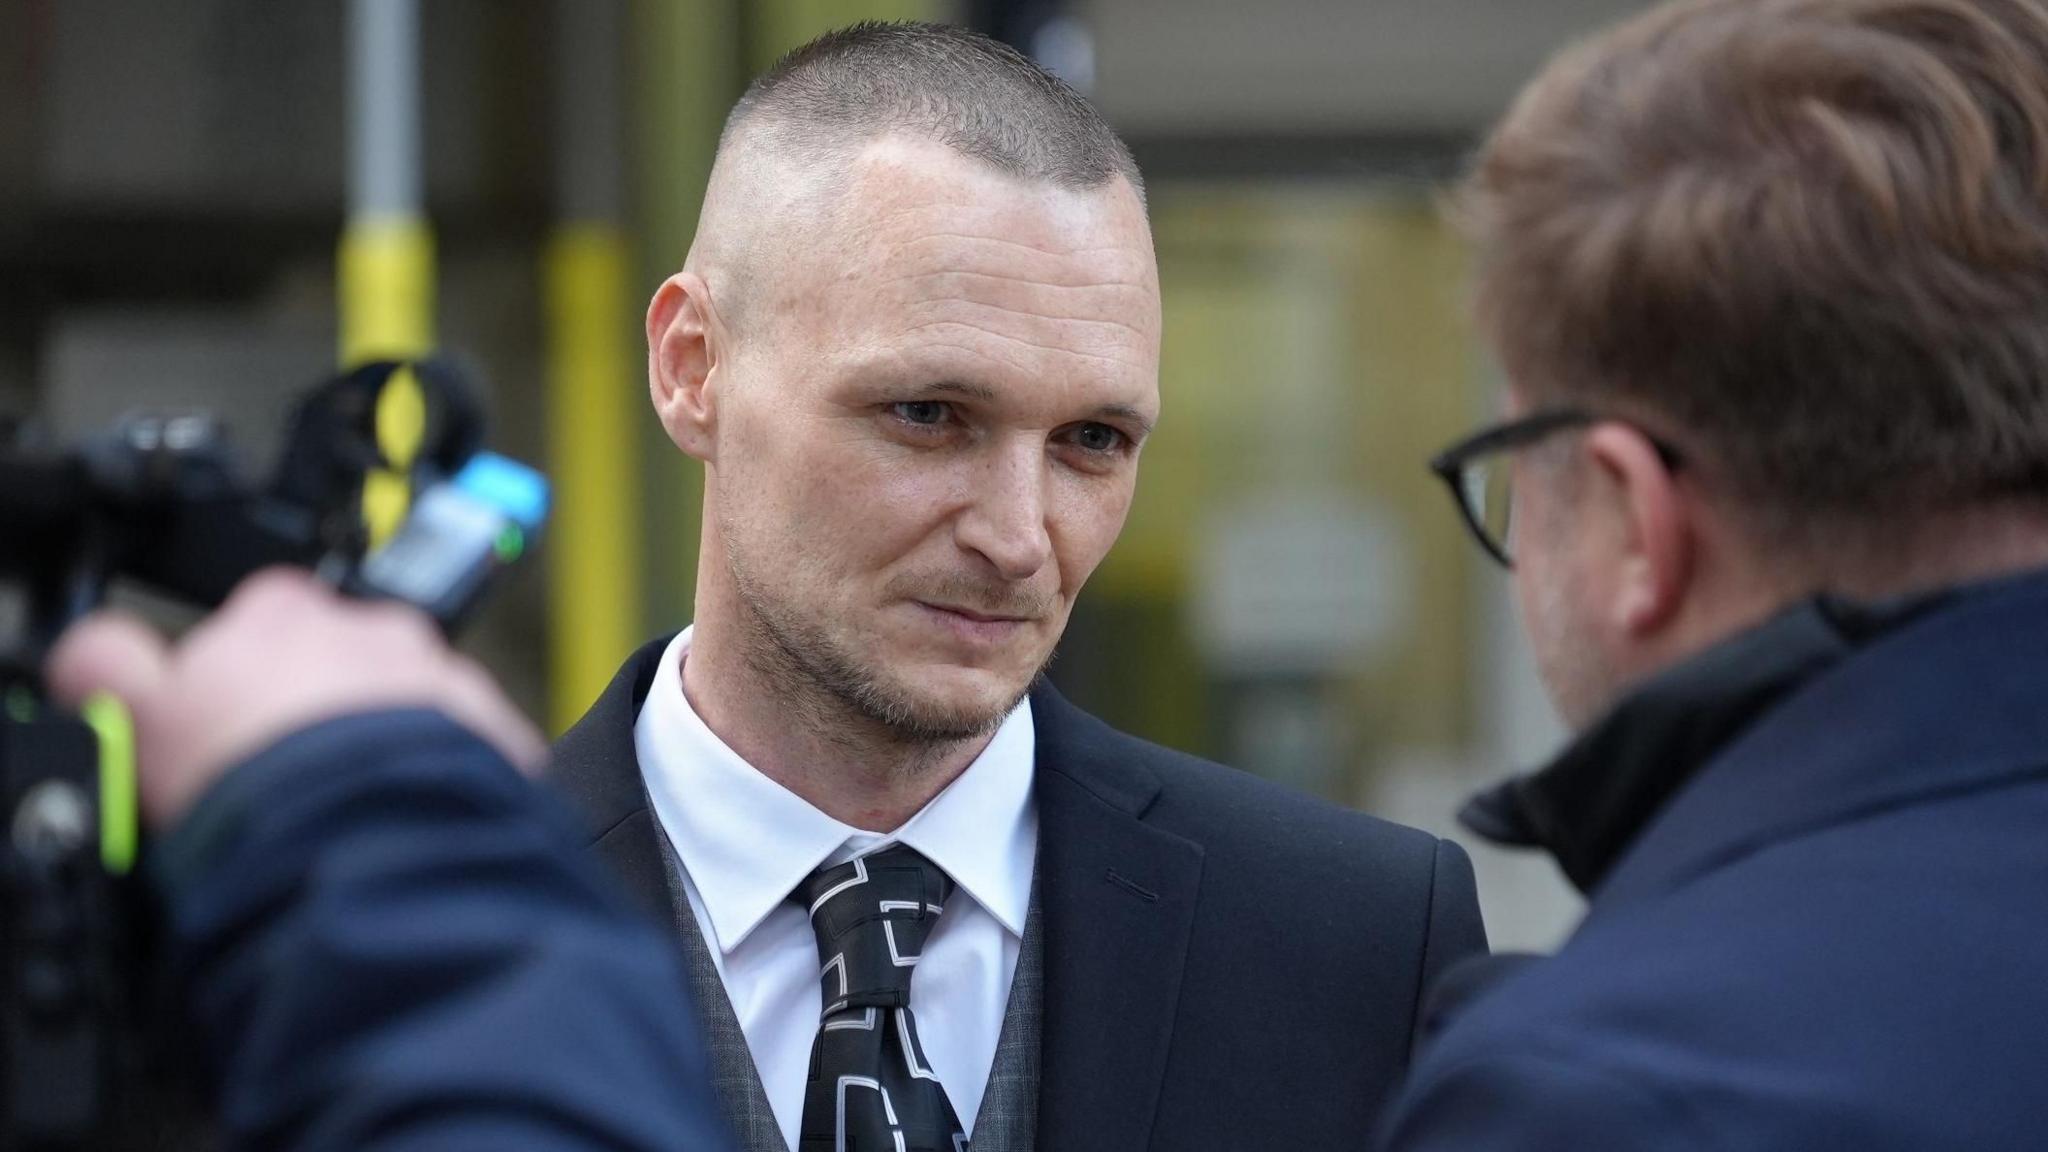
column 284, row 653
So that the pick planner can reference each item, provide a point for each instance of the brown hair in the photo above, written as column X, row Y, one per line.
column 1807, row 238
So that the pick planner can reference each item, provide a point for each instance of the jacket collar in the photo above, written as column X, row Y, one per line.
column 594, row 761
column 1827, row 709
column 1081, row 748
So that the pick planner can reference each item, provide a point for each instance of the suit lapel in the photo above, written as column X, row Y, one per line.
column 596, row 767
column 1119, row 907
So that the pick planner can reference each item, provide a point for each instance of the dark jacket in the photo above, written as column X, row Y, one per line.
column 386, row 939
column 1818, row 861
column 1228, row 964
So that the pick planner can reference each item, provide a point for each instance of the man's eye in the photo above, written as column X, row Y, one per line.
column 1098, row 437
column 923, row 412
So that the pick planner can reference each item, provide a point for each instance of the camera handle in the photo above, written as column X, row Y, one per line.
column 68, row 789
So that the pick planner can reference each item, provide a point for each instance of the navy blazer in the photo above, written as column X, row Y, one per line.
column 384, row 939
column 1228, row 964
column 1833, row 935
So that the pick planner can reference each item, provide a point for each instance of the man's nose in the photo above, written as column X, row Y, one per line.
column 1005, row 516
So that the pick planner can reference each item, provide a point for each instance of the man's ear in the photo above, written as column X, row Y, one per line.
column 1659, row 529
column 685, row 345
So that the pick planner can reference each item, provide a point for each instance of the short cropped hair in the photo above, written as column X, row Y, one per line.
column 1808, row 237
column 975, row 95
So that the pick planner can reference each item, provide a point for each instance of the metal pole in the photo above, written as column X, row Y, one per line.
column 384, row 108
column 385, row 264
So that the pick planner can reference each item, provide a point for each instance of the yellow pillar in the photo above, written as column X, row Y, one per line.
column 596, row 559
column 594, row 552
column 688, row 71
column 386, row 266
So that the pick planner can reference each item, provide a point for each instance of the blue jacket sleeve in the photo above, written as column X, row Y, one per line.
column 1527, row 1100
column 386, row 939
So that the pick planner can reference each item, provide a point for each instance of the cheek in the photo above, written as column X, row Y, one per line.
column 1537, row 602
column 1542, row 576
column 1528, row 604
column 1543, row 537
column 1561, row 592
column 860, row 511
column 1086, row 518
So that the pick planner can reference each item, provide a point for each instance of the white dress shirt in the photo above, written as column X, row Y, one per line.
column 746, row 842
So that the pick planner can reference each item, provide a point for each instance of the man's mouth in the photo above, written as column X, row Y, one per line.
column 976, row 615
column 974, row 626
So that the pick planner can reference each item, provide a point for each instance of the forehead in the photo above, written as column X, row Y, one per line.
column 936, row 257
column 899, row 188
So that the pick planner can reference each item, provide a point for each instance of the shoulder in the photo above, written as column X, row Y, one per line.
column 1232, row 804
column 1651, row 1026
column 1525, row 1095
column 1572, row 1051
column 1232, row 814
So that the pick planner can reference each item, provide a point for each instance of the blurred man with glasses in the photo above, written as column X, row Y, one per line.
column 1769, row 280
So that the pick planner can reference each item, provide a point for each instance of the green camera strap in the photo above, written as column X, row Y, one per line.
column 119, row 830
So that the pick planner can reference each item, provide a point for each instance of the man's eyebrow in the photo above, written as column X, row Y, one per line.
column 955, row 388
column 1129, row 415
column 1123, row 412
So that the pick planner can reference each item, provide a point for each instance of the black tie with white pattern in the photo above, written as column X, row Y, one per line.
column 871, row 1089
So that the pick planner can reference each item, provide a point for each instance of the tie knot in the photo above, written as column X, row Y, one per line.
column 871, row 917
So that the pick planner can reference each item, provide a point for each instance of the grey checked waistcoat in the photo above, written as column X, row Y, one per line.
column 1008, row 1121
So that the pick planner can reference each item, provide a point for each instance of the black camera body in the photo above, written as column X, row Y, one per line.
column 69, row 1003
column 381, row 489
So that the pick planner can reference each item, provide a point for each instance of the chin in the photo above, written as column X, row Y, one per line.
column 970, row 691
column 955, row 702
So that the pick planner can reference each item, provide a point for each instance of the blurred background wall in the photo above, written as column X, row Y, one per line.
column 1293, row 594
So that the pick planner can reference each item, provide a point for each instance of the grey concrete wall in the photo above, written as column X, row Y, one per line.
column 238, row 103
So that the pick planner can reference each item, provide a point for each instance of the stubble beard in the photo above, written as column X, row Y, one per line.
column 831, row 690
column 1580, row 683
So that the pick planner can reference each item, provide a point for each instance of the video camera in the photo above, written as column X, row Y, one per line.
column 381, row 488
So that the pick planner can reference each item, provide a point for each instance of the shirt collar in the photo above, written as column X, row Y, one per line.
column 983, row 829
column 747, row 842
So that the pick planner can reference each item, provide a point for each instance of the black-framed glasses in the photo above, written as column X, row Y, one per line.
column 1477, row 469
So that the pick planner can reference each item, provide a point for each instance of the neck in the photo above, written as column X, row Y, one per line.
column 841, row 761
column 1745, row 579
column 1965, row 546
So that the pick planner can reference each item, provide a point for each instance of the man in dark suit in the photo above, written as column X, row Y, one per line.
column 1770, row 281
column 915, row 345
